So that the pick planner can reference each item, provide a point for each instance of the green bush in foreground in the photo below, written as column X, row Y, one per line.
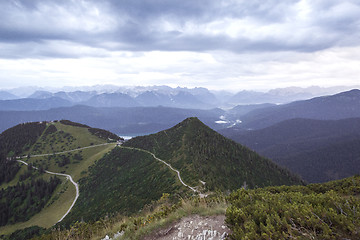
column 294, row 212
column 27, row 233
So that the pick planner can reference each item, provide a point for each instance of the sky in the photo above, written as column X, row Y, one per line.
column 232, row 44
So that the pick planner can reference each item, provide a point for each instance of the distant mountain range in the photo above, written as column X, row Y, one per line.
column 112, row 96
column 43, row 100
column 137, row 120
column 7, row 96
column 283, row 95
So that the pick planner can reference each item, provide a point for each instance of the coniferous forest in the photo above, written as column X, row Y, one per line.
column 14, row 141
column 20, row 202
column 316, row 211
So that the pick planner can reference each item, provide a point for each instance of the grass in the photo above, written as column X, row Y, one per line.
column 65, row 193
column 82, row 135
column 66, row 138
column 63, row 196
column 15, row 180
column 90, row 155
column 50, row 214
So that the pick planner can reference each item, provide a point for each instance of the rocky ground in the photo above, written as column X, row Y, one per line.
column 194, row 228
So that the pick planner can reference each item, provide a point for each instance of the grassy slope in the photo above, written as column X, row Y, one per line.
column 78, row 137
column 50, row 214
column 123, row 181
column 15, row 180
column 64, row 195
column 202, row 154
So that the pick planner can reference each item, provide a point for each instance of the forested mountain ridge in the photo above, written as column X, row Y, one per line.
column 201, row 154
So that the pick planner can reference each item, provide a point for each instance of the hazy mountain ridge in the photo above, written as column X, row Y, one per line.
column 283, row 95
column 317, row 150
column 4, row 95
column 333, row 107
column 33, row 104
column 199, row 98
column 130, row 97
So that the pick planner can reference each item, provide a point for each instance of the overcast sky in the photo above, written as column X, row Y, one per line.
column 233, row 44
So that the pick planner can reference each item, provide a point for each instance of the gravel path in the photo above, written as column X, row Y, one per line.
column 71, row 180
column 73, row 150
column 167, row 164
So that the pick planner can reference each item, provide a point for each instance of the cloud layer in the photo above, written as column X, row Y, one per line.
column 266, row 32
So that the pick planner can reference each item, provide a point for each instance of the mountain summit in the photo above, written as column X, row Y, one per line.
column 203, row 155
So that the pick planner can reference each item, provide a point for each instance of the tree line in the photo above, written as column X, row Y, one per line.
column 20, row 202
column 13, row 141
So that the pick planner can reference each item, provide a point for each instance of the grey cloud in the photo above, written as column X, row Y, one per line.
column 136, row 28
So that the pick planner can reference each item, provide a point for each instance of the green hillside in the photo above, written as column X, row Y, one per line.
column 123, row 181
column 316, row 211
column 130, row 178
column 201, row 154
column 32, row 197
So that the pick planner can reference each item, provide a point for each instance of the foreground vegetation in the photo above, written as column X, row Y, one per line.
column 317, row 211
column 158, row 215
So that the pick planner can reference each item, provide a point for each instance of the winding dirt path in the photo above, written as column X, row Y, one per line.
column 77, row 185
column 57, row 153
column 167, row 164
column 68, row 177
column 62, row 174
